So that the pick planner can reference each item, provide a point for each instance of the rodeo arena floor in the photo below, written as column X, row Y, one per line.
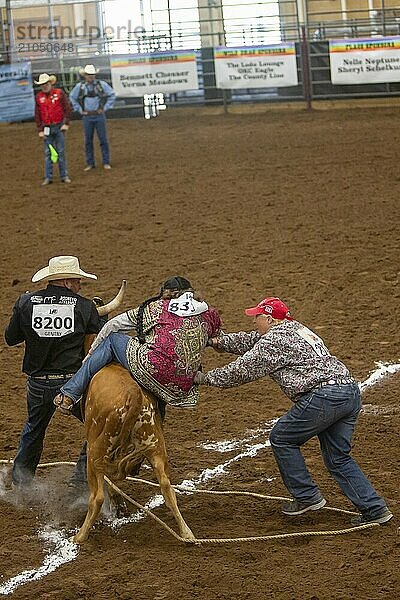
column 302, row 205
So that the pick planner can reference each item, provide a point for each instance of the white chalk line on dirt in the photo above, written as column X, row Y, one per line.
column 382, row 371
column 66, row 551
column 62, row 551
column 207, row 474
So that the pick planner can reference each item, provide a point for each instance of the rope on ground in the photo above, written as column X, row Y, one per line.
column 279, row 536
column 182, row 488
column 258, row 538
column 144, row 508
column 189, row 490
column 43, row 465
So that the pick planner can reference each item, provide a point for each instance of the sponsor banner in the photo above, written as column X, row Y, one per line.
column 256, row 67
column 365, row 60
column 17, row 101
column 166, row 72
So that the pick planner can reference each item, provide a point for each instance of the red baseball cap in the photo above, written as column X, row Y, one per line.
column 270, row 306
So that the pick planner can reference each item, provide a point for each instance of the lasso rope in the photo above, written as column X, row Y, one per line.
column 189, row 490
column 185, row 489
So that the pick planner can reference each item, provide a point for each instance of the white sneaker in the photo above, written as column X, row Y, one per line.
column 107, row 167
column 89, row 168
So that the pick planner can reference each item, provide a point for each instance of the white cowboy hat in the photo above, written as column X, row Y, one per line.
column 90, row 70
column 62, row 267
column 43, row 78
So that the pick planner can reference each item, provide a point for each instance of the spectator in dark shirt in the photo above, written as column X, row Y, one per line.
column 57, row 326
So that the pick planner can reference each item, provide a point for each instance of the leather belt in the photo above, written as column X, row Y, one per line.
column 344, row 381
column 52, row 377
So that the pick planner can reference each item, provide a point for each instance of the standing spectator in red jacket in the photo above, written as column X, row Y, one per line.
column 52, row 116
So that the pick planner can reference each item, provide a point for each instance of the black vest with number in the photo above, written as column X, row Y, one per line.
column 53, row 323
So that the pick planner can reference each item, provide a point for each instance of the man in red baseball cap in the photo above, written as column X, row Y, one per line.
column 270, row 306
column 326, row 401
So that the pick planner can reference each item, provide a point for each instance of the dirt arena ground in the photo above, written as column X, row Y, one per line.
column 289, row 203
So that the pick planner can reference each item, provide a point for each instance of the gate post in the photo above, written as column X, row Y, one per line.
column 8, row 33
column 305, row 67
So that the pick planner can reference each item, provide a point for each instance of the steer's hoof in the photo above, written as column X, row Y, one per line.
column 76, row 539
column 192, row 541
column 188, row 536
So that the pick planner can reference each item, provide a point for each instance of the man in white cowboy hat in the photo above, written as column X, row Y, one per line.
column 92, row 98
column 52, row 116
column 57, row 325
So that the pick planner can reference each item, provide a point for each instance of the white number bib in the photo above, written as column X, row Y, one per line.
column 53, row 320
column 314, row 341
column 186, row 305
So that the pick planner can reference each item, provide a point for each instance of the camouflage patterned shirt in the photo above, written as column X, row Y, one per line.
column 290, row 353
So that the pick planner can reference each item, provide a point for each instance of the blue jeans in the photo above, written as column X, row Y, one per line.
column 330, row 413
column 113, row 348
column 92, row 123
column 57, row 140
column 40, row 395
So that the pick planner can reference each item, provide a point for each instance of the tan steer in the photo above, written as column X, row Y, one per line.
column 123, row 425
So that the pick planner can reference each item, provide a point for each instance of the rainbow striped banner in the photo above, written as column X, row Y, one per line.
column 365, row 60
column 365, row 44
column 156, row 58
column 256, row 66
column 287, row 49
column 134, row 75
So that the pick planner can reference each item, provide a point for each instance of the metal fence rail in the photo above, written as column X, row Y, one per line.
column 194, row 24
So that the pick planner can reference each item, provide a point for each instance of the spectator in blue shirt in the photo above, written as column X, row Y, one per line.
column 92, row 98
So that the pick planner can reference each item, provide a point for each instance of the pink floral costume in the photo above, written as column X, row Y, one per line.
column 167, row 362
column 175, row 335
